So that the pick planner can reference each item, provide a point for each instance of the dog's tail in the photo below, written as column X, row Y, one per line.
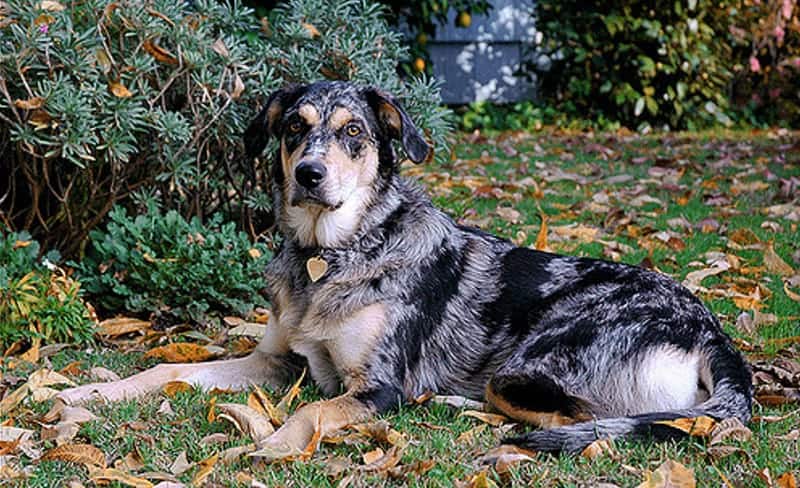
column 731, row 396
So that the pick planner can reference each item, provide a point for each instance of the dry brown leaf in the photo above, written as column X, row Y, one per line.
column 671, row 474
column 180, row 352
column 415, row 469
column 775, row 264
column 215, row 438
column 786, row 480
column 456, row 401
column 32, row 354
column 119, row 90
column 131, row 462
column 541, row 237
column 744, row 237
column 13, row 399
column 29, row 104
column 174, row 387
column 506, row 456
column 180, row 465
column 468, row 436
column 62, row 432
column 789, row 293
column 381, row 431
column 286, row 402
column 247, row 420
column 46, row 377
column 478, row 480
column 159, row 53
column 260, row 401
column 238, row 89
column 85, row 454
column 730, row 429
column 249, row 329
column 312, row 31
column 722, row 451
column 107, row 475
column 122, row 325
column 694, row 279
column 370, row 457
column 493, row 419
column 696, row 426
column 790, row 436
column 232, row 454
column 384, row 463
column 598, row 448
column 220, row 48
column 509, row 215
column 205, row 468
column 51, row 6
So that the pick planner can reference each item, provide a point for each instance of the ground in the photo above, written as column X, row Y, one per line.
column 723, row 205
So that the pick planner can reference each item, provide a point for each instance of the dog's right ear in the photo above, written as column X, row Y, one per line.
column 267, row 122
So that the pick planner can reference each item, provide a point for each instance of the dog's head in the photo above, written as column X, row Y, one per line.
column 335, row 138
column 336, row 150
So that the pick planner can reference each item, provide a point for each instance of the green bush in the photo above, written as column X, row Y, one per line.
column 102, row 100
column 37, row 299
column 158, row 262
column 636, row 62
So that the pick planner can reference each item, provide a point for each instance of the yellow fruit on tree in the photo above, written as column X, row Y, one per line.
column 464, row 19
column 419, row 65
column 422, row 39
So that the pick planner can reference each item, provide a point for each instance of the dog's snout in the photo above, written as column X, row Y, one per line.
column 310, row 174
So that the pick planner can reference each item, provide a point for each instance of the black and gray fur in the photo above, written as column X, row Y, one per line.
column 613, row 346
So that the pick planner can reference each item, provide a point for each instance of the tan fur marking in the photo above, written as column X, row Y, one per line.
column 390, row 115
column 544, row 420
column 309, row 113
column 354, row 340
column 339, row 118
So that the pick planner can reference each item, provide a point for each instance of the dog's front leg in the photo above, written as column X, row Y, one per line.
column 268, row 364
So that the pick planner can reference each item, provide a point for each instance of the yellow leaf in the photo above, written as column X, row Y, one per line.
column 247, row 420
column 786, row 480
column 122, row 325
column 180, row 352
column 119, row 90
column 312, row 31
column 259, row 401
column 294, row 391
column 206, row 467
column 671, row 474
column 492, row 419
column 598, row 448
column 158, row 52
column 29, row 104
column 775, row 264
column 697, row 426
column 85, row 454
column 174, row 387
column 253, row 252
column 108, row 475
column 541, row 238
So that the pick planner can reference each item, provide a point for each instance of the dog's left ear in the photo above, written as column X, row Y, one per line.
column 267, row 122
column 398, row 125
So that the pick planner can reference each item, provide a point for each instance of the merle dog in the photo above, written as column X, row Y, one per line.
column 384, row 298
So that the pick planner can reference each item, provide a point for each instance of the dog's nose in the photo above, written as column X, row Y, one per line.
column 310, row 173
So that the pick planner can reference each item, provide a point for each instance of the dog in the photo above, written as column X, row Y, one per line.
column 384, row 298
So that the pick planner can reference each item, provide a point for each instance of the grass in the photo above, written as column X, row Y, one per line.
column 485, row 174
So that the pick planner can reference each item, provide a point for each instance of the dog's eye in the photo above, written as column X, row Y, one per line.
column 353, row 130
column 295, row 127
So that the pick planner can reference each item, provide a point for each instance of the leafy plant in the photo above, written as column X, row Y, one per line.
column 159, row 262
column 102, row 100
column 637, row 63
column 37, row 299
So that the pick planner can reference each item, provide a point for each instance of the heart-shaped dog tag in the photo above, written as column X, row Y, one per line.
column 316, row 268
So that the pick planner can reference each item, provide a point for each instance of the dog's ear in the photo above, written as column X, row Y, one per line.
column 267, row 122
column 396, row 123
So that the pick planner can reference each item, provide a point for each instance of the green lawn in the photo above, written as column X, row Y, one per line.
column 675, row 202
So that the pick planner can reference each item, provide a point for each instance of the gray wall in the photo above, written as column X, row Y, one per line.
column 478, row 63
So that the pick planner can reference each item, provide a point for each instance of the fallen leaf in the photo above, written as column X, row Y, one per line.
column 51, row 6
column 232, row 454
column 107, row 475
column 786, row 480
column 478, row 480
column 220, row 48
column 694, row 279
column 789, row 293
column 458, row 402
column 504, row 457
column 790, row 436
column 744, row 237
column 312, row 31
column 416, row 469
column 174, row 387
column 372, row 456
column 492, row 419
column 696, row 426
column 541, row 237
column 467, row 437
column 775, row 264
column 180, row 465
column 131, row 462
column 249, row 329
column 508, row 214
column 246, row 420
column 382, row 432
column 723, row 450
column 180, row 352
column 165, row 408
column 387, row 461
column 205, row 468
column 85, row 454
column 118, row 326
column 215, row 438
column 260, row 401
column 671, row 474
column 598, row 448
column 730, row 429
column 283, row 406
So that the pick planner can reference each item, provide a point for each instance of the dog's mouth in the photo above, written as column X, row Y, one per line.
column 304, row 198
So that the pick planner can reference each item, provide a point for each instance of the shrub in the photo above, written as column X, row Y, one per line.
column 37, row 299
column 637, row 62
column 766, row 39
column 177, row 269
column 105, row 100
